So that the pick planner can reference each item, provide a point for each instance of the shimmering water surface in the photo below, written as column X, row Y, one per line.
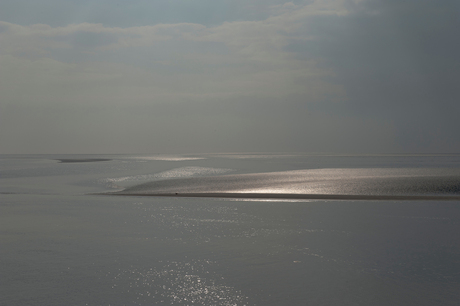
column 63, row 244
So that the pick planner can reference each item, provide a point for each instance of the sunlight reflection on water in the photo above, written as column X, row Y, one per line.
column 183, row 172
column 165, row 158
column 178, row 283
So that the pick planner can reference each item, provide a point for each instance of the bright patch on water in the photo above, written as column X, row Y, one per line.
column 256, row 156
column 165, row 158
column 178, row 283
column 183, row 172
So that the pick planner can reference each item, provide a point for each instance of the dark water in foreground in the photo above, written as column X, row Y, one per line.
column 62, row 246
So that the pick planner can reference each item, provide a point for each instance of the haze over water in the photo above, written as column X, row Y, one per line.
column 67, row 239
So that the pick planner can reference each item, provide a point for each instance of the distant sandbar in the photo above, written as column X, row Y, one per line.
column 82, row 160
column 294, row 196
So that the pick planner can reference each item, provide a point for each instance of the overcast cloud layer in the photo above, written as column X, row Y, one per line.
column 345, row 76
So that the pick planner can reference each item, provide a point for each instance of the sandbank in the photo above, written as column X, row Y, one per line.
column 82, row 160
column 290, row 196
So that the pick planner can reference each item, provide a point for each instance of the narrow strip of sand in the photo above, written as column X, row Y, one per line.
column 295, row 196
column 82, row 160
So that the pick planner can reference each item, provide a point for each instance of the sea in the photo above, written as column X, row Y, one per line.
column 230, row 229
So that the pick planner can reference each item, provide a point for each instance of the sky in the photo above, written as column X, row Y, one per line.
column 197, row 76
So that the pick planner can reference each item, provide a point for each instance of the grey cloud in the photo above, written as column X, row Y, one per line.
column 122, row 13
column 398, row 61
column 411, row 43
column 3, row 27
column 84, row 39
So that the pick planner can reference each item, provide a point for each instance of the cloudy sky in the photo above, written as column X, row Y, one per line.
column 186, row 76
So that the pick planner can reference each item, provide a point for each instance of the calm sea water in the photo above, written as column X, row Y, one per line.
column 63, row 243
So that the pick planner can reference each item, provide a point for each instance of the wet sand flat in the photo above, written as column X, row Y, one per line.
column 291, row 196
column 82, row 160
